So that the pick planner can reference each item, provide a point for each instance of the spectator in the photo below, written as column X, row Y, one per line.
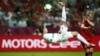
column 8, row 32
column 6, row 17
column 12, row 22
column 30, row 22
column 3, row 23
column 1, row 13
column 22, row 23
column 37, row 32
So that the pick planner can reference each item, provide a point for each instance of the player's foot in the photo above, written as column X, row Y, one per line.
column 90, row 46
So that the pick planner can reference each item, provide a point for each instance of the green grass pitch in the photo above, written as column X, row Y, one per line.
column 46, row 54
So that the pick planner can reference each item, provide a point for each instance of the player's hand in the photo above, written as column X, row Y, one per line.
column 84, row 18
column 61, row 3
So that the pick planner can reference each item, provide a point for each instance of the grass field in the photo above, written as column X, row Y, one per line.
column 45, row 54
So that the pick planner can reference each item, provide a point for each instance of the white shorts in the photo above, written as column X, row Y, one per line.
column 66, row 36
column 52, row 37
column 56, row 37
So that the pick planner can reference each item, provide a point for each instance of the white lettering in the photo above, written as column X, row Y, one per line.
column 75, row 44
column 29, row 43
column 72, row 44
column 54, row 46
column 15, row 43
column 37, row 43
column 22, row 43
column 64, row 44
column 43, row 44
column 6, row 43
column 99, row 43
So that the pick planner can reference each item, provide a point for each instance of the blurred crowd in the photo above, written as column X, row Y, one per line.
column 31, row 13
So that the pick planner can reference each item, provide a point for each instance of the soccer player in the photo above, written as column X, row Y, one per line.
column 86, row 31
column 63, row 34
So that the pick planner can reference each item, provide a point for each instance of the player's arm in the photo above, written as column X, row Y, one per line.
column 91, row 23
column 83, row 26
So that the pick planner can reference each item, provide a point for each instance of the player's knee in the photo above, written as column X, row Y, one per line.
column 91, row 49
column 74, row 33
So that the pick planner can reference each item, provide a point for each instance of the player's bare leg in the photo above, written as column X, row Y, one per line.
column 80, row 37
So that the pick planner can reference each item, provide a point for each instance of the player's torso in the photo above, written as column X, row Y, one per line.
column 87, row 31
column 86, row 24
column 63, row 29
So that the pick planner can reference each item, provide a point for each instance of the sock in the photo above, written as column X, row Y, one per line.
column 86, row 54
column 90, row 53
column 79, row 37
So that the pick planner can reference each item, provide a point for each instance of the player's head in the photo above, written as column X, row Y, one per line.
column 90, row 16
column 63, row 22
column 40, row 29
column 43, row 30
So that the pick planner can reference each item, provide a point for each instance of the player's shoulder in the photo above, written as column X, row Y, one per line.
column 62, row 26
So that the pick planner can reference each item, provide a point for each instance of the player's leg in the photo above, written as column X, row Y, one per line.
column 45, row 36
column 91, row 51
column 81, row 38
column 69, row 34
column 88, row 51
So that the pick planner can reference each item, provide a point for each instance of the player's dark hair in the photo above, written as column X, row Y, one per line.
column 41, row 29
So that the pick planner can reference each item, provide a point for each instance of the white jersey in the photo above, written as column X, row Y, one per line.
column 63, row 29
column 52, row 37
column 65, row 32
column 58, row 37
